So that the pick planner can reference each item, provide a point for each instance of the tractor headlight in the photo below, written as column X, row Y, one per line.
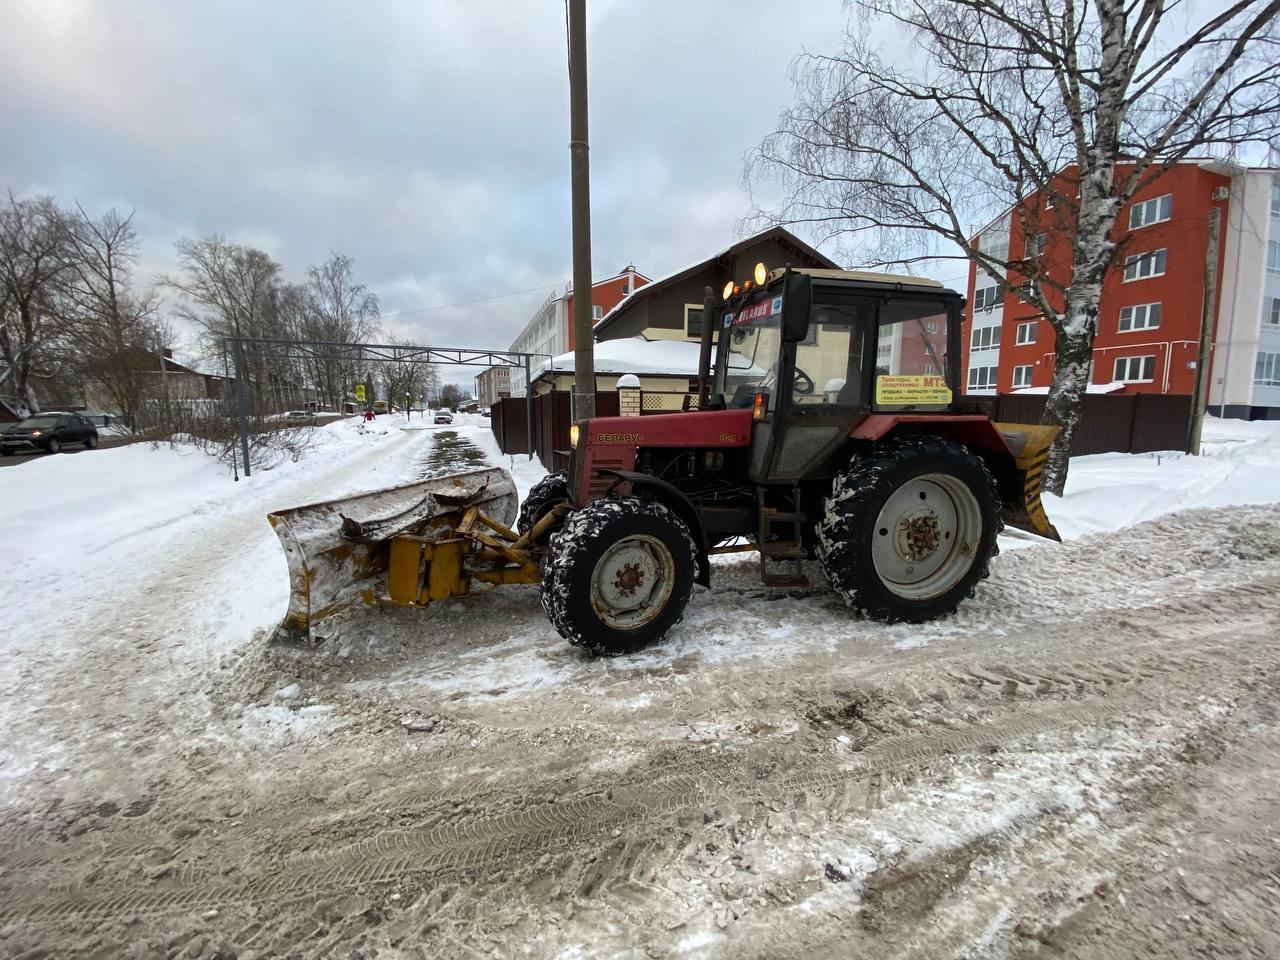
column 573, row 436
column 761, row 274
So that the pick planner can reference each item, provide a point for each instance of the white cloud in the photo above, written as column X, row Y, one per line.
column 426, row 140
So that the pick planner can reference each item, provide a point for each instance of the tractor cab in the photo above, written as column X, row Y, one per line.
column 813, row 352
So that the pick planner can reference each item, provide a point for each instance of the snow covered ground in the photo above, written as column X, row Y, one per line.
column 1043, row 771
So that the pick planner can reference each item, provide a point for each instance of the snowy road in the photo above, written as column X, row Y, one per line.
column 1084, row 762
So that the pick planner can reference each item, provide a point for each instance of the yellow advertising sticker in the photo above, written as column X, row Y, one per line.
column 359, row 392
column 922, row 388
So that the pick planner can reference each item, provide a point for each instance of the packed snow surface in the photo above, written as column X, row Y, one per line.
column 1086, row 753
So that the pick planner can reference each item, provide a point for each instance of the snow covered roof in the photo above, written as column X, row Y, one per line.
column 655, row 358
column 1092, row 388
column 676, row 358
column 206, row 366
column 780, row 234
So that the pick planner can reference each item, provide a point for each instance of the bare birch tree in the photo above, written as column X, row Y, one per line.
column 229, row 290
column 33, row 337
column 1057, row 112
column 121, row 341
column 342, row 310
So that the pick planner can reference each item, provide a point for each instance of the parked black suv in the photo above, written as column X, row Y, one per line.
column 49, row 432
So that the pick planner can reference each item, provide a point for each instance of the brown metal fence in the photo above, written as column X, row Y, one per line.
column 1109, row 423
column 507, row 418
column 552, row 415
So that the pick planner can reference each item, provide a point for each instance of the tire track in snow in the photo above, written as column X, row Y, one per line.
column 1114, row 689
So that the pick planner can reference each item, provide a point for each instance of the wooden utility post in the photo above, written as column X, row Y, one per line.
column 584, row 366
column 1200, row 399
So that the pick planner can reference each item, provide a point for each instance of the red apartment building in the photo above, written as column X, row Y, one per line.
column 1150, row 314
column 550, row 332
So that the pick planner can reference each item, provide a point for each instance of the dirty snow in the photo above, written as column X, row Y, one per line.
column 1083, row 756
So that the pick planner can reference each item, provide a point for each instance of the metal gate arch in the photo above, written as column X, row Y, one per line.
column 284, row 348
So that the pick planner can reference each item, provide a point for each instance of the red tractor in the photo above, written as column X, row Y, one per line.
column 831, row 429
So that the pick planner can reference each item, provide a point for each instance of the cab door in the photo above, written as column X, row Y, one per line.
column 824, row 385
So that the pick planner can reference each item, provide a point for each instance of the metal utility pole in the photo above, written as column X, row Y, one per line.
column 584, row 365
column 1200, row 399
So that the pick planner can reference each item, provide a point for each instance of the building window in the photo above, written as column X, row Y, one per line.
column 982, row 378
column 1022, row 376
column 1035, row 246
column 626, row 288
column 930, row 368
column 1271, row 311
column 1135, row 369
column 597, row 312
column 1273, row 256
column 996, row 249
column 693, row 320
column 1143, row 265
column 1267, row 371
column 1151, row 211
column 1026, row 332
column 1275, row 199
column 987, row 299
column 1144, row 316
column 985, row 338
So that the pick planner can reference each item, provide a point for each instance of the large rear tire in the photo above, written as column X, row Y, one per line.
column 619, row 575
column 545, row 494
column 909, row 529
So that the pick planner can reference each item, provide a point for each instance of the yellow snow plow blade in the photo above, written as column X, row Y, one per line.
column 1030, row 445
column 404, row 544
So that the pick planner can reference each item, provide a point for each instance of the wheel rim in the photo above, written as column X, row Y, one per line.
column 54, row 446
column 632, row 582
column 926, row 536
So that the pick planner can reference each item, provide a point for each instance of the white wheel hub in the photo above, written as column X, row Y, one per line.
column 632, row 581
column 926, row 536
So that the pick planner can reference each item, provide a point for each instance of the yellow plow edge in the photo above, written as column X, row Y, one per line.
column 409, row 544
column 1030, row 445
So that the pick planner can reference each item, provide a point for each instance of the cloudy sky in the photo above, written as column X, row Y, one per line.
column 427, row 139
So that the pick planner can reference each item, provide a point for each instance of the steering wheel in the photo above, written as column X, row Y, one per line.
column 803, row 383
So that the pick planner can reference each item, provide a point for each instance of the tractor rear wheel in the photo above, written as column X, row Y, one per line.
column 619, row 575
column 909, row 529
column 542, row 496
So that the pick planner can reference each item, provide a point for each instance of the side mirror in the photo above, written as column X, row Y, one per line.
column 797, row 306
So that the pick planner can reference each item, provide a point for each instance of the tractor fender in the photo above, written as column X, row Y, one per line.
column 674, row 498
column 1014, row 452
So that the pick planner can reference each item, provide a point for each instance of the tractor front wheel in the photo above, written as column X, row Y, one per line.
column 542, row 497
column 909, row 529
column 619, row 575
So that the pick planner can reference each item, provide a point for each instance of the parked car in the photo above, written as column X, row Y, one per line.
column 444, row 416
column 486, row 413
column 49, row 432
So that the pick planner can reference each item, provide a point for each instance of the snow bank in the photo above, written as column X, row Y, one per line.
column 80, row 530
column 1239, row 464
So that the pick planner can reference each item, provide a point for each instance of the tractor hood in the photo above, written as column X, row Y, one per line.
column 710, row 428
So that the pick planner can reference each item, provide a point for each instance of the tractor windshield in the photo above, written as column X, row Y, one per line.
column 753, row 347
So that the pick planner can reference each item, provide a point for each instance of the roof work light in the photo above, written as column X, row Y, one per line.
column 761, row 274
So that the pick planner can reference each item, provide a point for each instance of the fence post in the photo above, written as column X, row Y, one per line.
column 528, row 407
column 629, row 402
